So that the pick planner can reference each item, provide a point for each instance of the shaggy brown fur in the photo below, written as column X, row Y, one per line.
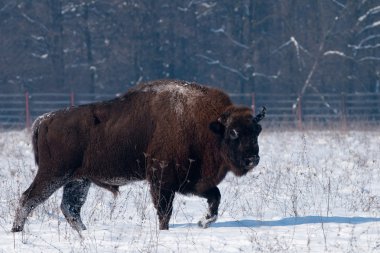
column 179, row 136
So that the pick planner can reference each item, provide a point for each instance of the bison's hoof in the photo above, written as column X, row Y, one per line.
column 164, row 226
column 16, row 229
column 207, row 221
column 77, row 225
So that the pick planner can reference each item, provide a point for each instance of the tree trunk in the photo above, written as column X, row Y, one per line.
column 90, row 59
column 56, row 45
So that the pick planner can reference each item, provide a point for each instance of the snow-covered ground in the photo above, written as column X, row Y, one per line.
column 313, row 191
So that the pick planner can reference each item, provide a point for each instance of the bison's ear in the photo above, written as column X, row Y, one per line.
column 217, row 127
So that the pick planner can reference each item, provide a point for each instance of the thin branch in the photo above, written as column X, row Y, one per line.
column 373, row 25
column 34, row 22
column 371, row 37
column 208, row 10
column 256, row 74
column 207, row 6
column 222, row 31
column 40, row 56
column 324, row 101
column 191, row 3
column 372, row 11
column 7, row 5
column 368, row 47
column 337, row 53
column 369, row 58
column 71, row 7
column 211, row 61
column 338, row 3
column 295, row 43
column 298, row 48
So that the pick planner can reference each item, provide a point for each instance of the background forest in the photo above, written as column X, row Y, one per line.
column 288, row 46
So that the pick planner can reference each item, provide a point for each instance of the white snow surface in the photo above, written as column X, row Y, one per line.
column 313, row 191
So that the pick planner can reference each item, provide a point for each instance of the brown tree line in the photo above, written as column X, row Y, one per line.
column 290, row 46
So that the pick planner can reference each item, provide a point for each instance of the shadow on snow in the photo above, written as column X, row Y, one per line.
column 291, row 221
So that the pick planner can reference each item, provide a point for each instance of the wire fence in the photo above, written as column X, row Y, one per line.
column 283, row 110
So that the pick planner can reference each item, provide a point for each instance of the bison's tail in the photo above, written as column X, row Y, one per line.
column 35, row 131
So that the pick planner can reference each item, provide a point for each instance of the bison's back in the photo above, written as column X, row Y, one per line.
column 183, row 101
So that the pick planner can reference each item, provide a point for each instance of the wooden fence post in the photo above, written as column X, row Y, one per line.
column 72, row 99
column 343, row 111
column 253, row 103
column 299, row 112
column 27, row 110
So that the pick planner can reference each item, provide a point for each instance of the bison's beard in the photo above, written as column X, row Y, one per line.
column 241, row 171
column 236, row 165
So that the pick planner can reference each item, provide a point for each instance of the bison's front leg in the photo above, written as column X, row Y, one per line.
column 163, row 201
column 213, row 200
column 74, row 196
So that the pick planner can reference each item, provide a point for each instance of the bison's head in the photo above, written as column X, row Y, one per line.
column 238, row 130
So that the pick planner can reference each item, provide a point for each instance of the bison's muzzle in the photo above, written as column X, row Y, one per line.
column 251, row 162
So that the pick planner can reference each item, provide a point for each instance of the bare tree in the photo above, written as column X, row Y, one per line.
column 55, row 43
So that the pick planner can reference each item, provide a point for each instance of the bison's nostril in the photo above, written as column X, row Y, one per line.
column 251, row 161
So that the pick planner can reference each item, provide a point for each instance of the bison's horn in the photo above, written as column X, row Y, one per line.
column 261, row 115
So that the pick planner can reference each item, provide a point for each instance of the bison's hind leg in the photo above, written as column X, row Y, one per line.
column 213, row 200
column 40, row 190
column 74, row 196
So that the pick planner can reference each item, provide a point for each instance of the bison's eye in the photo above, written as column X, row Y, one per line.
column 234, row 134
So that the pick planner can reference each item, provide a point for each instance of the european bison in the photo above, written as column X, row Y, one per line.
column 181, row 137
